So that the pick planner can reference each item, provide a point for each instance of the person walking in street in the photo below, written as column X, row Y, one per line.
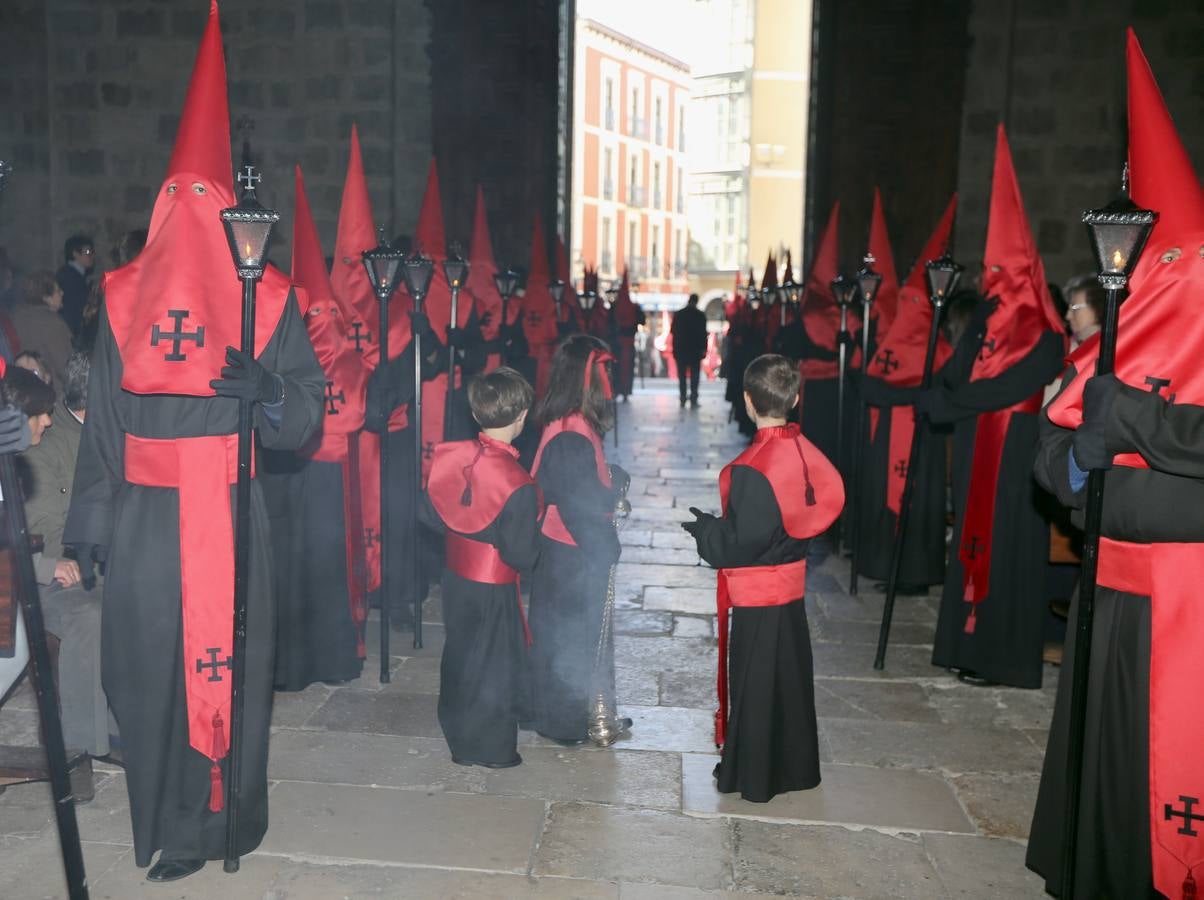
column 689, row 332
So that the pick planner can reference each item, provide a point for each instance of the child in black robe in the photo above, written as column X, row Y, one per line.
column 488, row 507
column 579, row 543
column 776, row 496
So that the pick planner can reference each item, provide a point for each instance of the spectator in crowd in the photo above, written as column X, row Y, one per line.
column 39, row 323
column 80, row 259
column 689, row 332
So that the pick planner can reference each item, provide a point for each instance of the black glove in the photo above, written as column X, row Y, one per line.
column 846, row 338
column 928, row 402
column 458, row 337
column 1090, row 438
column 701, row 520
column 87, row 557
column 245, row 379
column 421, row 325
column 14, row 430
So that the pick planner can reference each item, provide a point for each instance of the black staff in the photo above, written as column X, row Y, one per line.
column 612, row 330
column 417, row 271
column 455, row 269
column 248, row 230
column 943, row 275
column 1118, row 233
column 506, row 283
column 867, row 282
column 26, row 587
column 384, row 268
column 842, row 290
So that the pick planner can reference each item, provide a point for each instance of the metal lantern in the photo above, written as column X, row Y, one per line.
column 417, row 270
column 943, row 275
column 1118, row 234
column 249, row 228
column 867, row 280
column 506, row 282
column 455, row 268
column 556, row 289
column 612, row 294
column 587, row 299
column 383, row 264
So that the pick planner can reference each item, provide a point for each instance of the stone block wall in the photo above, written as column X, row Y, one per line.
column 1054, row 72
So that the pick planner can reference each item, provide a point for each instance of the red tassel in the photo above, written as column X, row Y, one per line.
column 216, row 793
column 219, row 737
column 972, row 619
column 1189, row 887
column 720, row 728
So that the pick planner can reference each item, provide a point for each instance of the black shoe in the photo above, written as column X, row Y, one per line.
column 517, row 761
column 904, row 590
column 174, row 869
column 694, row 403
column 683, row 404
column 972, row 678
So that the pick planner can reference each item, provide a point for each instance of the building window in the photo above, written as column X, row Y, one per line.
column 609, row 113
column 607, row 256
column 660, row 133
column 639, row 127
column 681, row 130
column 656, row 185
column 654, row 264
column 633, row 248
column 635, row 193
column 608, row 179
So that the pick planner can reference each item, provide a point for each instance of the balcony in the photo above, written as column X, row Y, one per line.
column 681, row 202
column 655, row 270
column 639, row 128
column 636, row 196
column 679, row 269
column 608, row 189
column 660, row 133
column 608, row 262
column 636, row 267
column 609, row 118
column 656, row 199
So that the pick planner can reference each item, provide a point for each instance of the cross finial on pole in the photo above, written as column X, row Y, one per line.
column 248, row 178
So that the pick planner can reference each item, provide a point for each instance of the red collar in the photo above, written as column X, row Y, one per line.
column 490, row 444
column 789, row 430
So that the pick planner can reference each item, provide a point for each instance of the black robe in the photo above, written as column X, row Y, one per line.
column 568, row 588
column 316, row 638
column 484, row 652
column 1008, row 642
column 390, row 387
column 923, row 557
column 142, row 665
column 1113, row 849
column 745, row 343
column 772, row 740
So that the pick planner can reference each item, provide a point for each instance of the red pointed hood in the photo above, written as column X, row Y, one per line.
column 788, row 273
column 938, row 243
column 1161, row 173
column 625, row 312
column 202, row 145
column 901, row 350
column 1013, row 275
column 481, row 285
column 821, row 316
column 356, row 233
column 539, row 312
column 564, row 273
column 429, row 237
column 769, row 278
column 346, row 372
column 884, row 265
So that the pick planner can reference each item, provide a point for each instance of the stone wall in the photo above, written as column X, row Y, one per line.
column 1054, row 72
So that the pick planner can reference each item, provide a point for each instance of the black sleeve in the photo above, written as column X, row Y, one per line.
column 878, row 393
column 518, row 529
column 746, row 530
column 428, row 516
column 1169, row 436
column 392, row 385
column 569, row 479
column 969, row 398
column 290, row 354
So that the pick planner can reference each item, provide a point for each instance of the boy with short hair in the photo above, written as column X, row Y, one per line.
column 776, row 496
column 489, row 508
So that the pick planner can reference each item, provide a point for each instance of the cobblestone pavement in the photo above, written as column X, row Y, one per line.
column 927, row 792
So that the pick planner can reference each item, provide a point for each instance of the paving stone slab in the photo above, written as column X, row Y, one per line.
column 600, row 842
column 387, row 760
column 826, row 861
column 957, row 749
column 964, row 704
column 19, row 727
column 591, row 775
column 982, row 867
column 293, row 708
column 660, row 556
column 125, row 881
column 693, row 601
column 417, row 675
column 1001, row 805
column 845, row 631
column 694, row 626
column 383, row 713
column 665, row 576
column 694, row 656
column 673, row 892
column 635, row 537
column 362, row 823
column 848, row 795
column 866, row 607
column 850, row 698
column 857, row 661
column 673, row 539
column 688, row 690
column 305, row 881
column 669, row 728
column 639, row 686
column 641, row 622
column 32, row 867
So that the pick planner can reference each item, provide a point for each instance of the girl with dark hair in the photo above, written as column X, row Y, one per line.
column 579, row 543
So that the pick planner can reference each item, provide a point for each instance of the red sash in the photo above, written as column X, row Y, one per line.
column 481, row 562
column 751, row 586
column 553, row 525
column 208, row 465
column 974, row 548
column 1168, row 575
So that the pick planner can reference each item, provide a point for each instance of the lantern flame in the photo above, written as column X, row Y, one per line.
column 1118, row 261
